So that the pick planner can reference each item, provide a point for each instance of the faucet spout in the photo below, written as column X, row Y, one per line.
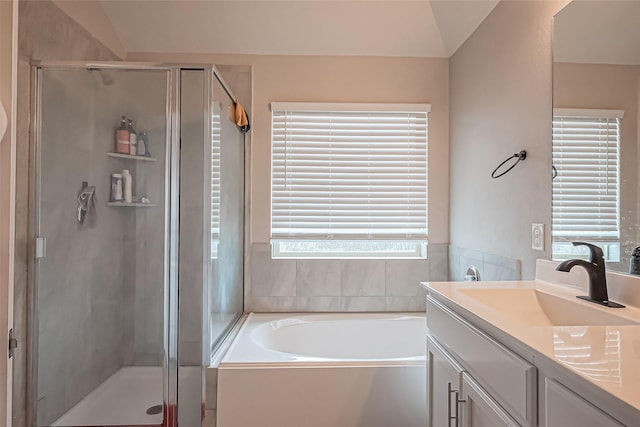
column 567, row 265
column 597, row 277
column 595, row 270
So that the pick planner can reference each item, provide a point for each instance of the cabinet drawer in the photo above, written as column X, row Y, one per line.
column 565, row 408
column 506, row 376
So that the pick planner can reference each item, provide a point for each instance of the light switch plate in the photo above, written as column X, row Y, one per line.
column 537, row 237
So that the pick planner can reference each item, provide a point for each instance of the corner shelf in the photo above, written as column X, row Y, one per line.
column 130, row 205
column 129, row 156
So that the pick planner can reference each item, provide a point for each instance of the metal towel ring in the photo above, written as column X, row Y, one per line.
column 520, row 156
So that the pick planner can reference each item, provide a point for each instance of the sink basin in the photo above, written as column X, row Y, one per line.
column 537, row 308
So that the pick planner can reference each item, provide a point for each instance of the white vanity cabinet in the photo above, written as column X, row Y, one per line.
column 565, row 408
column 444, row 381
column 455, row 399
column 478, row 409
column 496, row 386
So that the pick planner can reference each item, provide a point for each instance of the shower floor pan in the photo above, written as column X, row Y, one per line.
column 123, row 399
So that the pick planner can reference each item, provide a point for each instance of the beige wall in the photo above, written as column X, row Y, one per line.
column 501, row 104
column 7, row 192
column 341, row 79
column 92, row 17
column 613, row 87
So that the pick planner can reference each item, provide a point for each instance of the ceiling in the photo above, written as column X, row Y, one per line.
column 416, row 28
column 598, row 32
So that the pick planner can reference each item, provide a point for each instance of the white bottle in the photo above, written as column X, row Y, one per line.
column 133, row 140
column 126, row 180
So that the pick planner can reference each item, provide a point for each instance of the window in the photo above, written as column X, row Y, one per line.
column 216, row 129
column 349, row 180
column 586, row 190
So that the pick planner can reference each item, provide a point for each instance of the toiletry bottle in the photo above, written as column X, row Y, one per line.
column 141, row 148
column 133, row 139
column 144, row 140
column 126, row 182
column 116, row 188
column 122, row 137
column 634, row 267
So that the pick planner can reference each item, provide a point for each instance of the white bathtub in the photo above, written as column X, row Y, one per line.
column 324, row 370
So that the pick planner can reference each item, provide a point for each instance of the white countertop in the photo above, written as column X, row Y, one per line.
column 606, row 356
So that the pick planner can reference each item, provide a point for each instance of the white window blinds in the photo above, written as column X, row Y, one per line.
column 349, row 171
column 215, row 175
column 586, row 190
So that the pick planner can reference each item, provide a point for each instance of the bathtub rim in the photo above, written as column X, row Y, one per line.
column 268, row 358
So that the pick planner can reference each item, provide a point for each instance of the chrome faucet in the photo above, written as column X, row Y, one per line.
column 595, row 270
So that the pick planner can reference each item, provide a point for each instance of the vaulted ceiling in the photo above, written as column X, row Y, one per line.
column 418, row 28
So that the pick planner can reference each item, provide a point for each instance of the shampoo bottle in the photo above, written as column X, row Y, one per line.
column 126, row 181
column 122, row 137
column 116, row 188
column 133, row 141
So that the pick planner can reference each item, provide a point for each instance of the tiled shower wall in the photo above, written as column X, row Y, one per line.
column 45, row 32
column 281, row 285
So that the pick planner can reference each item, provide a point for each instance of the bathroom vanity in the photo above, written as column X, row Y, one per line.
column 528, row 353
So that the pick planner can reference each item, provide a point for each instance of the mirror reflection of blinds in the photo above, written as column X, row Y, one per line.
column 586, row 191
column 349, row 172
column 215, row 173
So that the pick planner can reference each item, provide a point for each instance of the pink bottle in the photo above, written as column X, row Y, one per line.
column 122, row 137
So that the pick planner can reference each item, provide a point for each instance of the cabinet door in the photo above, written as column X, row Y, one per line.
column 564, row 408
column 443, row 381
column 478, row 409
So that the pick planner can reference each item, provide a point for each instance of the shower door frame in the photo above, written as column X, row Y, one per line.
column 171, row 224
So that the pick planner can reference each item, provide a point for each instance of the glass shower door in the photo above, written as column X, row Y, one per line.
column 100, row 286
column 211, row 229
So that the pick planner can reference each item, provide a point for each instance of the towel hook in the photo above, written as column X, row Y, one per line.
column 520, row 156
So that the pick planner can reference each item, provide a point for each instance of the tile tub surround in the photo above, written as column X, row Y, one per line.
column 330, row 285
column 492, row 267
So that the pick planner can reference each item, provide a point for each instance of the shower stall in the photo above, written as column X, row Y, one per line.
column 137, row 268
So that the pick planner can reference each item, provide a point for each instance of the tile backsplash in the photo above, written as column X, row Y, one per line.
column 281, row 285
column 491, row 267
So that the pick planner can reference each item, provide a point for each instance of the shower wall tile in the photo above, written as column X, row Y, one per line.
column 272, row 277
column 273, row 304
column 417, row 303
column 497, row 267
column 52, row 406
column 340, row 285
column 362, row 278
column 318, row 278
column 318, row 304
column 492, row 267
column 70, row 364
column 404, row 276
column 471, row 258
column 455, row 270
column 439, row 262
column 356, row 304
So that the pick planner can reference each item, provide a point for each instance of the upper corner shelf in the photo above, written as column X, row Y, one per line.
column 129, row 156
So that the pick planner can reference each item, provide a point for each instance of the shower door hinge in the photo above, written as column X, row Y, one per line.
column 41, row 247
column 13, row 343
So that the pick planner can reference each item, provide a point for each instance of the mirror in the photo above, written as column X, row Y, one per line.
column 596, row 93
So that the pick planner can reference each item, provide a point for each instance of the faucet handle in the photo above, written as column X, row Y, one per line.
column 596, row 255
